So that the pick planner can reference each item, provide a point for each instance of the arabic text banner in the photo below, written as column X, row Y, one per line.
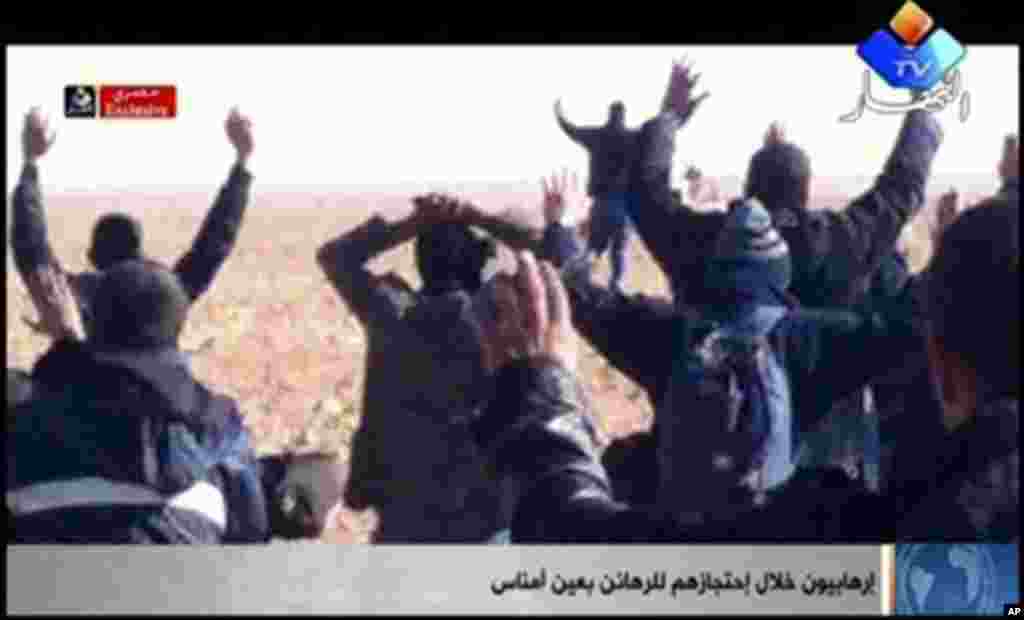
column 350, row 579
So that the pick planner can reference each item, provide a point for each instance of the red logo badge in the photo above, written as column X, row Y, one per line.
column 139, row 101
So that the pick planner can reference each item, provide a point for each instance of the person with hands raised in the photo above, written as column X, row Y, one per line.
column 117, row 237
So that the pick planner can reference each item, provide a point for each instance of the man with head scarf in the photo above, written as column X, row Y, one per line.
column 547, row 456
column 835, row 254
column 412, row 459
column 117, row 237
column 540, row 437
column 610, row 148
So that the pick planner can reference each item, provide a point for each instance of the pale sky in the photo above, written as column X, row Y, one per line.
column 326, row 115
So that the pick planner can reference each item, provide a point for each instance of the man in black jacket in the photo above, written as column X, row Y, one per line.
column 413, row 461
column 834, row 253
column 542, row 444
column 117, row 236
column 115, row 442
column 611, row 148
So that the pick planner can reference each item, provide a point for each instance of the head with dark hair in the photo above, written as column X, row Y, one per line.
column 617, row 114
column 692, row 173
column 973, row 300
column 450, row 256
column 139, row 305
column 779, row 176
column 116, row 237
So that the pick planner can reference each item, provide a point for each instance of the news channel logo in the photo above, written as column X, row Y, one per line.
column 80, row 101
column 943, row 579
column 915, row 55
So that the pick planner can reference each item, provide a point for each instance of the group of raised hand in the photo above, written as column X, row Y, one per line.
column 37, row 137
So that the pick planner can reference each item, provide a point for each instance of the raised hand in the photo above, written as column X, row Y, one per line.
column 531, row 317
column 437, row 208
column 679, row 96
column 776, row 134
column 36, row 137
column 239, row 130
column 1009, row 163
column 560, row 193
column 945, row 213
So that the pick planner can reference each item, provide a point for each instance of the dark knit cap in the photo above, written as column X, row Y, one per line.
column 777, row 174
column 138, row 305
column 749, row 243
column 116, row 237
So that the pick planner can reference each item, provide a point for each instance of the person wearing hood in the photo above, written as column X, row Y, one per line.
column 823, row 355
column 412, row 460
column 117, row 237
column 611, row 149
column 112, row 440
column 542, row 445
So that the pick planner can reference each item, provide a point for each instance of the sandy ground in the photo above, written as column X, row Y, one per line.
column 277, row 338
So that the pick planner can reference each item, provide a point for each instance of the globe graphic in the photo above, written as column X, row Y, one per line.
column 946, row 579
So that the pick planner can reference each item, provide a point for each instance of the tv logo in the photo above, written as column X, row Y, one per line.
column 80, row 101
column 1013, row 610
column 917, row 57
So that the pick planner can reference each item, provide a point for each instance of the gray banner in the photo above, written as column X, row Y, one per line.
column 344, row 579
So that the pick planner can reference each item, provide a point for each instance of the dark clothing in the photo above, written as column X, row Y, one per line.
column 834, row 252
column 1011, row 190
column 827, row 354
column 196, row 269
column 566, row 496
column 129, row 448
column 610, row 226
column 611, row 151
column 412, row 458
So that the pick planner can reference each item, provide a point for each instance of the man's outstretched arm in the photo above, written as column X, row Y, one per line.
column 504, row 228
column 48, row 285
column 869, row 228
column 343, row 260
column 219, row 232
column 584, row 136
column 637, row 334
column 665, row 225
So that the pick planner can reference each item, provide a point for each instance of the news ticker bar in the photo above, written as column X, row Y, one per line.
column 356, row 579
column 360, row 579
column 113, row 101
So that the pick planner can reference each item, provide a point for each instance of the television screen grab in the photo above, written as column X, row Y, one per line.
column 506, row 328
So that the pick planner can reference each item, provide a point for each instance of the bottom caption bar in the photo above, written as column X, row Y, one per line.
column 342, row 579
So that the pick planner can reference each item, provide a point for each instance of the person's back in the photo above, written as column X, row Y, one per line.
column 413, row 461
column 834, row 253
column 610, row 148
column 972, row 492
column 119, row 444
column 423, row 376
column 117, row 237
